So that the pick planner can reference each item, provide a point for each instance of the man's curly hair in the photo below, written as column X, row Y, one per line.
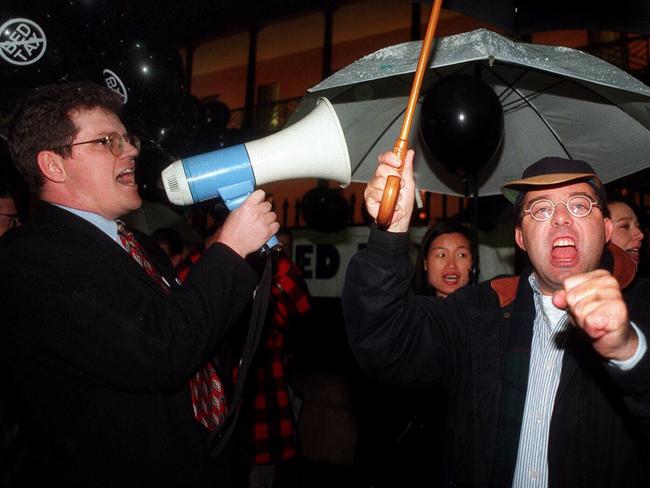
column 42, row 121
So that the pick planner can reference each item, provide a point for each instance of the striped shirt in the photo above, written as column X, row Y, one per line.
column 546, row 353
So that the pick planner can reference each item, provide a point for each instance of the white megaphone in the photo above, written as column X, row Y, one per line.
column 313, row 147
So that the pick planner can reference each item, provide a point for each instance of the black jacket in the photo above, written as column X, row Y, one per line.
column 600, row 425
column 101, row 356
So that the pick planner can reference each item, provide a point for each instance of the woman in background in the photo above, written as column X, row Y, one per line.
column 444, row 261
column 408, row 447
column 627, row 231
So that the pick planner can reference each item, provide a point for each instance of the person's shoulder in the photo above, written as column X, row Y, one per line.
column 29, row 232
column 53, row 235
column 498, row 292
column 505, row 287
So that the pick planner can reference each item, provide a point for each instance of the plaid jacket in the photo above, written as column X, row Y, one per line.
column 273, row 424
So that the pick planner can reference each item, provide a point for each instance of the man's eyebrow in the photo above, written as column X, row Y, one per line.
column 444, row 248
column 541, row 197
column 591, row 196
column 572, row 194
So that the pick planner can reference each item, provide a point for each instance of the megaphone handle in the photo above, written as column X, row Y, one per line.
column 272, row 242
column 391, row 191
column 233, row 203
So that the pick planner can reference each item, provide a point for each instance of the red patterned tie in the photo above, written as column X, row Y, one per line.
column 136, row 251
column 208, row 398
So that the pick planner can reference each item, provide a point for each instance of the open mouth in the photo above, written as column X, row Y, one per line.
column 126, row 177
column 634, row 253
column 451, row 278
column 564, row 249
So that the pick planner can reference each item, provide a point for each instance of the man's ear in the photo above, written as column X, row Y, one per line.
column 609, row 228
column 519, row 238
column 51, row 166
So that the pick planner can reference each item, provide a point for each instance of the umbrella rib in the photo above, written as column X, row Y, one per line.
column 508, row 85
column 531, row 106
column 381, row 134
column 533, row 95
column 365, row 155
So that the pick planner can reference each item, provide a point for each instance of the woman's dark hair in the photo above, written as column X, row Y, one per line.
column 8, row 191
column 638, row 211
column 421, row 284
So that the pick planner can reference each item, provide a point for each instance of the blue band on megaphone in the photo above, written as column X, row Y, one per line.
column 225, row 172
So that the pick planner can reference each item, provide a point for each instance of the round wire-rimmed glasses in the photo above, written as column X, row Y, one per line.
column 577, row 205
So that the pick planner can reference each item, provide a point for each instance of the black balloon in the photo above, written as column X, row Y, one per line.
column 149, row 75
column 34, row 50
column 461, row 123
column 214, row 120
column 90, row 20
column 181, row 136
column 216, row 116
column 153, row 158
column 185, row 132
column 325, row 209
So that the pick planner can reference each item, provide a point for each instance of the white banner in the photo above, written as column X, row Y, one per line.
column 324, row 257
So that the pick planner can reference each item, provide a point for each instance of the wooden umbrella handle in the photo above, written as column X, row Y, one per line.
column 391, row 190
column 393, row 182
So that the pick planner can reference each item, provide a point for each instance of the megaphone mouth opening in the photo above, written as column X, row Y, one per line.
column 313, row 147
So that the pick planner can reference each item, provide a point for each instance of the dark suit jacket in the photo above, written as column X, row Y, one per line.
column 102, row 357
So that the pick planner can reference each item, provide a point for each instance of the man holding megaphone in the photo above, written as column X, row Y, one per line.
column 313, row 147
column 109, row 353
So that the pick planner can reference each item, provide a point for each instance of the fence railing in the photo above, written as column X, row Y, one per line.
column 268, row 117
column 435, row 206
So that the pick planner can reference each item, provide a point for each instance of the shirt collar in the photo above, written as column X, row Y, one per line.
column 107, row 226
column 554, row 318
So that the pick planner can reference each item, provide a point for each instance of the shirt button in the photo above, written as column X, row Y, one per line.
column 533, row 474
column 549, row 365
column 539, row 417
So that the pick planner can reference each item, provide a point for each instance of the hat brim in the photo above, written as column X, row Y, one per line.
column 511, row 189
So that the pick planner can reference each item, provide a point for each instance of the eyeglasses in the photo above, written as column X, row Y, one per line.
column 114, row 141
column 578, row 206
column 11, row 218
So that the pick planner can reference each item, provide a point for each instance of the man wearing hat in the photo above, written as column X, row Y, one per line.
column 548, row 372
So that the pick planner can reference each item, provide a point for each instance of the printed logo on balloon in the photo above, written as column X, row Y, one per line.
column 22, row 41
column 114, row 82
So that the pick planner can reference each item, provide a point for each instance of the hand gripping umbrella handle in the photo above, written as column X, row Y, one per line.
column 391, row 191
column 393, row 182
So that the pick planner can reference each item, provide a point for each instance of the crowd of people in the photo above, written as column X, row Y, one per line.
column 129, row 361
